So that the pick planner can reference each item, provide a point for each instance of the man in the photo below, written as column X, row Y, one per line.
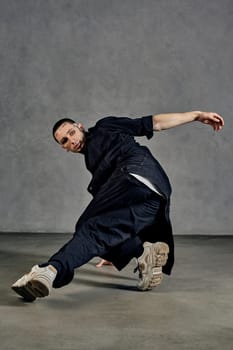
column 129, row 214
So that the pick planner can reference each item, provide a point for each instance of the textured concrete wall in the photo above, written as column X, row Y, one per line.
column 91, row 58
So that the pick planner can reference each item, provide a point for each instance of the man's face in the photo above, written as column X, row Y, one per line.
column 71, row 137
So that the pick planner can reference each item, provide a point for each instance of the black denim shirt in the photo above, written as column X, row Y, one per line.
column 110, row 147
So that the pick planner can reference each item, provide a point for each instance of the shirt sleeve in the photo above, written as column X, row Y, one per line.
column 142, row 126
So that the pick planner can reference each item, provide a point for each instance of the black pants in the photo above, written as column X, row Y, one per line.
column 122, row 215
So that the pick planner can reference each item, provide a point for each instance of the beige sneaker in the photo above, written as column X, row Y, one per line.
column 35, row 284
column 150, row 264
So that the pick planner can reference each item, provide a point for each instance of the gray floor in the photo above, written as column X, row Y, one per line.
column 101, row 309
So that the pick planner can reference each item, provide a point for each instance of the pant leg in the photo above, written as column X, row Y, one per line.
column 119, row 212
column 78, row 251
column 121, row 254
column 148, row 215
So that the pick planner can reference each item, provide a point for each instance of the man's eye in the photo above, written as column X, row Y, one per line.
column 64, row 140
column 72, row 132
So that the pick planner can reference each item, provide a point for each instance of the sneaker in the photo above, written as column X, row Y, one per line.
column 150, row 264
column 35, row 284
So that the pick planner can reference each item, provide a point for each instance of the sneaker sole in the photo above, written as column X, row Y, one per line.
column 154, row 260
column 31, row 290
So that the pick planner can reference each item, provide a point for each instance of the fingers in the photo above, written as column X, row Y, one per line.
column 213, row 119
column 218, row 122
column 103, row 262
column 218, row 119
column 100, row 263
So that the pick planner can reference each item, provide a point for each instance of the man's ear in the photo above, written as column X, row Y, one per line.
column 80, row 126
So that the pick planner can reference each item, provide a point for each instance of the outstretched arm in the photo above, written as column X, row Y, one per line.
column 170, row 120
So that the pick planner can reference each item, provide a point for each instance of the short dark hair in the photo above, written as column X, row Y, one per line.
column 59, row 123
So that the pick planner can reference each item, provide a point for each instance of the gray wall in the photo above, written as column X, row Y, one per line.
column 91, row 58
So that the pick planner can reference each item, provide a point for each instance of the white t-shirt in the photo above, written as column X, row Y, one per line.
column 146, row 182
